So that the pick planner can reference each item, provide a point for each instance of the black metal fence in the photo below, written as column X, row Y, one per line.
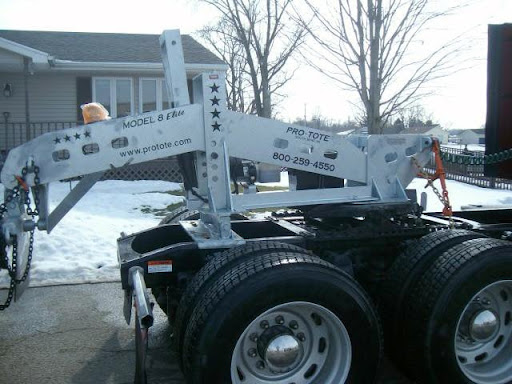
column 13, row 134
column 466, row 173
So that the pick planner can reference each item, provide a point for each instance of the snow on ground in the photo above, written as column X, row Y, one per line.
column 82, row 247
column 469, row 147
column 461, row 194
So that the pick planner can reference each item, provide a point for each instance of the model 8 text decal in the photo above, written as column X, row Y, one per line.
column 152, row 119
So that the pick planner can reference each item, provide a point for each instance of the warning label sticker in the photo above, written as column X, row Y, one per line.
column 159, row 266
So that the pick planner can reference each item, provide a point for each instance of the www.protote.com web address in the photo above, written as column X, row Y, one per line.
column 155, row 147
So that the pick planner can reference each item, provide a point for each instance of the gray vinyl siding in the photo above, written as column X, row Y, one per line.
column 15, row 104
column 52, row 97
column 8, row 58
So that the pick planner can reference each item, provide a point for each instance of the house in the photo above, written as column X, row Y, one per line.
column 471, row 136
column 46, row 76
column 429, row 130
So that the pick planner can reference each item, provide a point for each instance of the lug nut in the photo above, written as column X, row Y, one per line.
column 252, row 352
column 280, row 320
column 253, row 337
column 294, row 324
column 260, row 365
column 301, row 336
column 264, row 324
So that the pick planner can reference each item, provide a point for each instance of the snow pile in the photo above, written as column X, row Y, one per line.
column 82, row 247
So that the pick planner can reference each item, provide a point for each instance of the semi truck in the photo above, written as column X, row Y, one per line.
column 349, row 266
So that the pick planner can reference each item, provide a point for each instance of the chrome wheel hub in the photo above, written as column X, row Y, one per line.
column 484, row 326
column 483, row 340
column 296, row 342
column 282, row 353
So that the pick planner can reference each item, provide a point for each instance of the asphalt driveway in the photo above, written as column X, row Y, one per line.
column 77, row 334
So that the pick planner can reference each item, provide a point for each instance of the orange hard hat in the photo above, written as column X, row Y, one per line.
column 93, row 112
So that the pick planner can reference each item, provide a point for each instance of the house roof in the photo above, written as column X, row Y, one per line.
column 458, row 132
column 106, row 47
column 421, row 130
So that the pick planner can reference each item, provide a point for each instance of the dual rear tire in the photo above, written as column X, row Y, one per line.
column 269, row 312
column 280, row 316
column 450, row 321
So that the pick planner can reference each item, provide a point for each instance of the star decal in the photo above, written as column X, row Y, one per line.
column 214, row 88
column 57, row 140
column 215, row 114
column 67, row 138
column 216, row 126
column 87, row 134
column 215, row 100
column 77, row 136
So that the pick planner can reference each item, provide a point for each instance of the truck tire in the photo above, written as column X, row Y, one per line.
column 460, row 320
column 283, row 317
column 217, row 264
column 407, row 269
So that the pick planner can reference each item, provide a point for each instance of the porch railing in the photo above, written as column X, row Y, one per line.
column 13, row 134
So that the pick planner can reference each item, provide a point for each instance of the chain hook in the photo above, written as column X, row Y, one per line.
column 438, row 174
column 33, row 212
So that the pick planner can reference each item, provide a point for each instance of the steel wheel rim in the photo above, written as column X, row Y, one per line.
column 323, row 355
column 483, row 340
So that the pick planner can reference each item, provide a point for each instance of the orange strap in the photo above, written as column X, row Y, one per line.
column 22, row 183
column 441, row 175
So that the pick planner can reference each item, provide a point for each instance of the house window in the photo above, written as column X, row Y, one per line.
column 115, row 94
column 153, row 95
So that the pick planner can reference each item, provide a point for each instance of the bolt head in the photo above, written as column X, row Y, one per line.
column 279, row 320
column 253, row 337
column 294, row 324
column 252, row 352
column 264, row 324
column 301, row 336
column 260, row 365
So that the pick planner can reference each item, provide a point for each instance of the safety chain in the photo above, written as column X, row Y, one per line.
column 12, row 269
column 439, row 174
column 493, row 158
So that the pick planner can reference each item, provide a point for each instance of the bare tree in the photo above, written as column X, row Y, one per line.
column 223, row 41
column 366, row 45
column 416, row 116
column 261, row 34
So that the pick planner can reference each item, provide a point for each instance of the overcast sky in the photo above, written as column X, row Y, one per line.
column 459, row 101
